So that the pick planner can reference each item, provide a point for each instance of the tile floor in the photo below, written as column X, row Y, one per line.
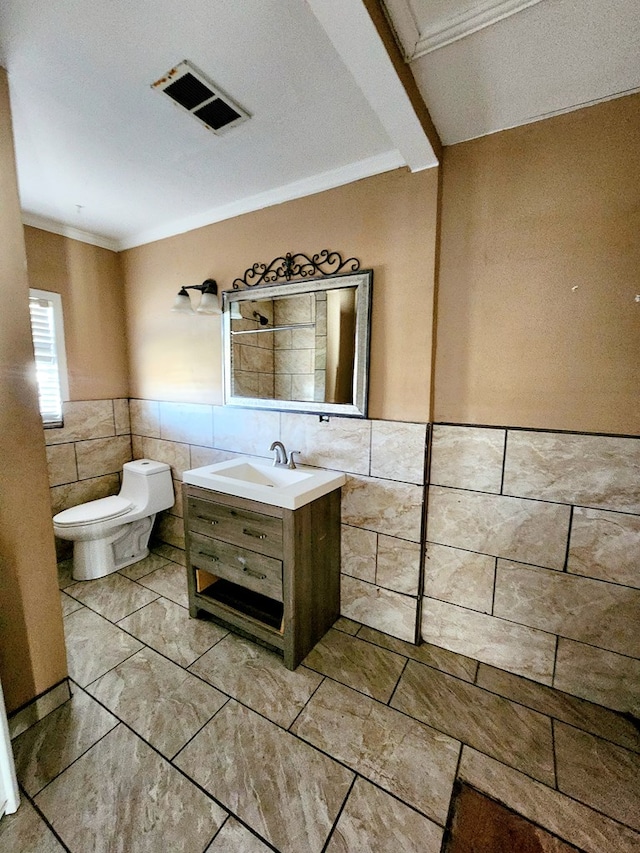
column 181, row 736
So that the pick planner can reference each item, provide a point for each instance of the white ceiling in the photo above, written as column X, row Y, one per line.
column 103, row 157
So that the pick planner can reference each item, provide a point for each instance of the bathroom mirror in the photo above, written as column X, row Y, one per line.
column 299, row 347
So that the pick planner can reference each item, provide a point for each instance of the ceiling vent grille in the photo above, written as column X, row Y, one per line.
column 189, row 88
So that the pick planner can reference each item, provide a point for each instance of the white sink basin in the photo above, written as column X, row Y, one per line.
column 284, row 487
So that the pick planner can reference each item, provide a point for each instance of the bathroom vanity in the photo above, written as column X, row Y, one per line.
column 270, row 572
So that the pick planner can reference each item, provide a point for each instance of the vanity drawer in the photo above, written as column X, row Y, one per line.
column 246, row 568
column 252, row 530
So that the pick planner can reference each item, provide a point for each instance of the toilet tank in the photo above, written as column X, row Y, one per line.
column 148, row 485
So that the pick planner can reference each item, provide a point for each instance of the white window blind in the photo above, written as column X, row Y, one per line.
column 48, row 343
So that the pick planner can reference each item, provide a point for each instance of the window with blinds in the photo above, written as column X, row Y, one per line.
column 45, row 309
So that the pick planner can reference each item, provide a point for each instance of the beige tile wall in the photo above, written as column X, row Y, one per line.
column 533, row 557
column 86, row 455
column 382, row 504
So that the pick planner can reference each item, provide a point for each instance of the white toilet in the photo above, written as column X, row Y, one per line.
column 111, row 533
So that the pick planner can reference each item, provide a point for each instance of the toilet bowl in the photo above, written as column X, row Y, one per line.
column 111, row 533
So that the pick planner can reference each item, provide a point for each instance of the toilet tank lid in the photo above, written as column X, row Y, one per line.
column 100, row 510
column 146, row 466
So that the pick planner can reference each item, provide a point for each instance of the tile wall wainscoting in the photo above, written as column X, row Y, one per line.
column 382, row 501
column 86, row 455
column 532, row 560
column 533, row 557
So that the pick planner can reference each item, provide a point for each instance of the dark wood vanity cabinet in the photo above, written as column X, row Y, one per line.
column 272, row 574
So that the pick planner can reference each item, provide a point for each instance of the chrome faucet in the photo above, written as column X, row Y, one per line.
column 281, row 454
column 281, row 458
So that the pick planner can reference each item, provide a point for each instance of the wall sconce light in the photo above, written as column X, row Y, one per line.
column 208, row 301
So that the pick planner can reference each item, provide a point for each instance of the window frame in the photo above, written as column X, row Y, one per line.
column 55, row 300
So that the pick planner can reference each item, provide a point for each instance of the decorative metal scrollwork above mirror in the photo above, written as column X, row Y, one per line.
column 302, row 346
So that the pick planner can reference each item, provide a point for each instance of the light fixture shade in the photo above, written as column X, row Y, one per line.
column 182, row 303
column 209, row 304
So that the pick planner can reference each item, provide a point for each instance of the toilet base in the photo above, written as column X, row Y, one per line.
column 98, row 558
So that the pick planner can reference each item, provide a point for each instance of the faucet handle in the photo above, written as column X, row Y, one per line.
column 292, row 462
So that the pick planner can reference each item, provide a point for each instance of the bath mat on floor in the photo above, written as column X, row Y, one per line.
column 478, row 824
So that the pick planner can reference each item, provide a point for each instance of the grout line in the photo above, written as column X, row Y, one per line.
column 565, row 567
column 339, row 814
column 295, row 719
column 44, row 819
column 495, row 583
column 397, row 684
column 504, row 460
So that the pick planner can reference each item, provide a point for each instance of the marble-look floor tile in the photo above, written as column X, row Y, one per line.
column 509, row 732
column 69, row 605
column 604, row 677
column 590, row 611
column 258, row 678
column 159, row 700
column 587, row 829
column 389, row 611
column 467, row 457
column 175, row 555
column 53, row 743
column 235, row 838
column 26, row 832
column 94, row 646
column 144, row 567
column 398, row 451
column 570, row 709
column 65, row 576
column 170, row 581
column 528, row 531
column 348, row 626
column 384, row 506
column 588, row 470
column 39, row 708
column 137, row 801
column 363, row 666
column 405, row 757
column 372, row 822
column 459, row 577
column 605, row 545
column 168, row 628
column 517, row 648
column 283, row 788
column 478, row 822
column 455, row 664
column 598, row 773
column 113, row 596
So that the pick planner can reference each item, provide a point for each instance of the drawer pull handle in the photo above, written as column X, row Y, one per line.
column 248, row 532
column 208, row 520
column 210, row 556
column 253, row 574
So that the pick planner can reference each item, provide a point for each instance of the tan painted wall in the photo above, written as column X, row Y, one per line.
column 388, row 222
column 32, row 653
column 90, row 281
column 537, row 323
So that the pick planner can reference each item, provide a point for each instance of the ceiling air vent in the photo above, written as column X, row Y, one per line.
column 190, row 89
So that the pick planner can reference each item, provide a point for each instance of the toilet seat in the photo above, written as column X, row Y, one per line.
column 103, row 509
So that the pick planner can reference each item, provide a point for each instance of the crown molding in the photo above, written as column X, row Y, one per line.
column 386, row 162
column 417, row 43
column 53, row 227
